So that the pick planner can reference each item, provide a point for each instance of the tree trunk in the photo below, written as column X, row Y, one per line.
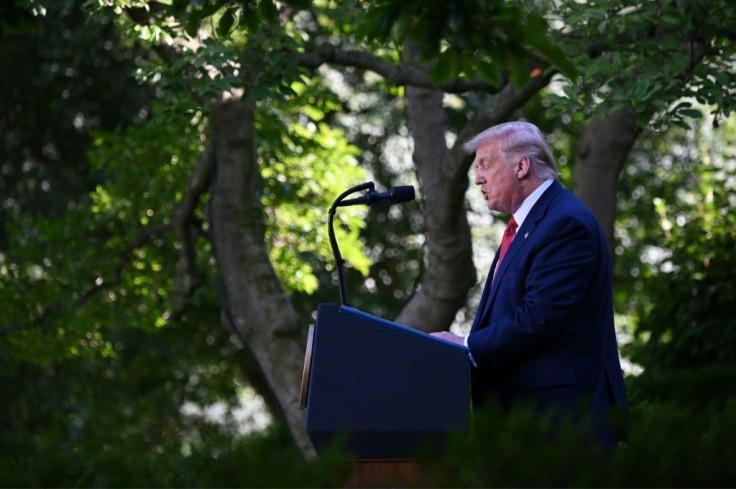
column 255, row 304
column 450, row 270
column 603, row 149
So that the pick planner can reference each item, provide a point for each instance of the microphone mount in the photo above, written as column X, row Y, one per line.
column 371, row 198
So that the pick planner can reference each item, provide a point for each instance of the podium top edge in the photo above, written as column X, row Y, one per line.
column 404, row 329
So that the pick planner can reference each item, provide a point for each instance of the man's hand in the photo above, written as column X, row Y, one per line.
column 447, row 336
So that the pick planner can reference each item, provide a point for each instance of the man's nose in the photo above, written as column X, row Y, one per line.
column 478, row 179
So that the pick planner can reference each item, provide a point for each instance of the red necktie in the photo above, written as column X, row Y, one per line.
column 508, row 236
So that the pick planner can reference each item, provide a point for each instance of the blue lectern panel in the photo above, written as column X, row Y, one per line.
column 389, row 388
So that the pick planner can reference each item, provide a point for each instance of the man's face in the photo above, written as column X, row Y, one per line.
column 497, row 179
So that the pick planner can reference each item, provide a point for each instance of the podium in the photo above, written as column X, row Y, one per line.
column 382, row 390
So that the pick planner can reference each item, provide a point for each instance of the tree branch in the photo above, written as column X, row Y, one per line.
column 396, row 75
column 495, row 110
column 187, row 274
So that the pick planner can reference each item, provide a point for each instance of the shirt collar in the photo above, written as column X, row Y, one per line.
column 526, row 206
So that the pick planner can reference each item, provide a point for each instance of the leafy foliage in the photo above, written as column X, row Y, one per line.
column 513, row 449
column 138, row 459
column 87, row 271
column 87, row 297
column 306, row 166
column 653, row 57
column 684, row 280
column 250, row 15
column 53, row 100
column 469, row 37
column 673, row 445
column 60, row 264
column 143, row 173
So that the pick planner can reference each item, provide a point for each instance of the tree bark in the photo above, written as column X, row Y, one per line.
column 255, row 305
column 603, row 148
column 450, row 270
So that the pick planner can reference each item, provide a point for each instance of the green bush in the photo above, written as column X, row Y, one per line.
column 673, row 445
column 267, row 459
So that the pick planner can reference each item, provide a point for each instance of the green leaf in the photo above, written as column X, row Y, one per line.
column 446, row 66
column 670, row 19
column 268, row 11
column 299, row 4
column 178, row 7
column 692, row 113
column 226, row 22
column 377, row 22
column 249, row 18
column 399, row 30
column 518, row 72
column 489, row 71
column 682, row 124
column 192, row 27
column 554, row 54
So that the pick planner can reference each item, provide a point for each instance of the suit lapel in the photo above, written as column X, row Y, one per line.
column 524, row 234
column 483, row 303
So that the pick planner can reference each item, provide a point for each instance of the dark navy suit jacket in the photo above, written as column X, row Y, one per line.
column 544, row 330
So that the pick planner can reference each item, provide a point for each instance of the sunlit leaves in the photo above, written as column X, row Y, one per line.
column 648, row 56
column 195, row 76
column 682, row 209
column 315, row 156
column 221, row 15
column 304, row 171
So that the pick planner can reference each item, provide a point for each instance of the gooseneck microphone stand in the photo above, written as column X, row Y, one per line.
column 333, row 242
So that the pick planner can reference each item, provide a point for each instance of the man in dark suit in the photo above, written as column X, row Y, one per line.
column 543, row 333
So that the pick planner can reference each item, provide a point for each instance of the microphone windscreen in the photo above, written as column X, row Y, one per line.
column 405, row 193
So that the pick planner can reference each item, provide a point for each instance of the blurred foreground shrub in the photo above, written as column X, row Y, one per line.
column 674, row 444
column 708, row 385
column 267, row 459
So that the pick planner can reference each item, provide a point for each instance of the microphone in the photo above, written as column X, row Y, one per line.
column 395, row 195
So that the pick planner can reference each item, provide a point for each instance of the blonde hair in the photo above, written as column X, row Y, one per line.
column 519, row 139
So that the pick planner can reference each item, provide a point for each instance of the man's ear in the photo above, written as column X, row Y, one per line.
column 523, row 167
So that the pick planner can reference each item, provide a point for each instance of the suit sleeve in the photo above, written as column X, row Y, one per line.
column 540, row 294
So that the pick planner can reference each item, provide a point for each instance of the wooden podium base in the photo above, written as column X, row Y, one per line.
column 393, row 473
